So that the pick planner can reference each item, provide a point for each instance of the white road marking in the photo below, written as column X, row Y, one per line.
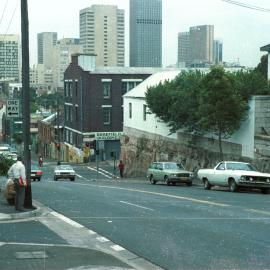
column 79, row 175
column 258, row 211
column 109, row 173
column 117, row 248
column 102, row 239
column 95, row 170
column 161, row 194
column 67, row 220
column 136, row 205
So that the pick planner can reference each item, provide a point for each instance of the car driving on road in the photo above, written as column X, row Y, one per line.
column 169, row 173
column 64, row 172
column 235, row 175
column 36, row 173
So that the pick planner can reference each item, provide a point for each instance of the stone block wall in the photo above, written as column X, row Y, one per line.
column 139, row 149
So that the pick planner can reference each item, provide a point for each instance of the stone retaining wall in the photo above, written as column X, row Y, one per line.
column 139, row 149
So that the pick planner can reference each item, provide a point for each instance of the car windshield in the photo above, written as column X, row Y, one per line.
column 173, row 166
column 64, row 167
column 241, row 167
column 34, row 167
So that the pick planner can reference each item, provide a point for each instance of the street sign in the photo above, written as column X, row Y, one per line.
column 13, row 108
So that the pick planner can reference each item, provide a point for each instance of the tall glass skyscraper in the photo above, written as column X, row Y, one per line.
column 145, row 33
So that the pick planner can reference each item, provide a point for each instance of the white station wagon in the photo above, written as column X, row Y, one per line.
column 235, row 175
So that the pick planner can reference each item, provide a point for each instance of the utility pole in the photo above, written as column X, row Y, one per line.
column 26, row 103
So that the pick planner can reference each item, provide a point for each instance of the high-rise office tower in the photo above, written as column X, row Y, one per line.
column 201, row 44
column 46, row 41
column 10, row 57
column 62, row 53
column 183, row 49
column 145, row 33
column 218, row 51
column 102, row 32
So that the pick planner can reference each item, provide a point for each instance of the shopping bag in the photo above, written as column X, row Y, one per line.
column 22, row 183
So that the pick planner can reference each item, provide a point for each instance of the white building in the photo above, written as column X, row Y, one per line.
column 10, row 57
column 62, row 52
column 249, row 139
column 102, row 32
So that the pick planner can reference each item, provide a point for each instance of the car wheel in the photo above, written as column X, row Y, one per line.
column 39, row 179
column 232, row 185
column 34, row 179
column 55, row 179
column 265, row 190
column 189, row 184
column 173, row 183
column 166, row 179
column 152, row 180
column 206, row 184
column 72, row 179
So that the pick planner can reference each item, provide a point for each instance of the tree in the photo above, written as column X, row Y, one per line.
column 263, row 66
column 176, row 101
column 221, row 108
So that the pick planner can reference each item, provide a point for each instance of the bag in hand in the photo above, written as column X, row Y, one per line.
column 22, row 183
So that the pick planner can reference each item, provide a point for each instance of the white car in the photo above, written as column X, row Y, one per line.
column 235, row 175
column 64, row 172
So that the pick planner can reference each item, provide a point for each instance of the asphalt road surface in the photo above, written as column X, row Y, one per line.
column 173, row 227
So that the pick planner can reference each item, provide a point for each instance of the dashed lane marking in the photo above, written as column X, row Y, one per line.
column 258, row 211
column 136, row 205
column 161, row 194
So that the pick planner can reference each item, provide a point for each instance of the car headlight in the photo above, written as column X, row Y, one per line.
column 251, row 179
column 191, row 175
column 267, row 180
column 242, row 178
column 173, row 175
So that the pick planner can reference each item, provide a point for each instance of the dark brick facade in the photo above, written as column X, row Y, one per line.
column 86, row 106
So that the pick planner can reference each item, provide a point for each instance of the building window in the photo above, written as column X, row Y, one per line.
column 76, row 114
column 66, row 89
column 70, row 89
column 144, row 112
column 106, row 89
column 130, row 110
column 126, row 86
column 106, row 116
column 76, row 88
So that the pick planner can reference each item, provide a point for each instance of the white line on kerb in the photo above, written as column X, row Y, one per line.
column 102, row 239
column 117, row 248
column 67, row 220
column 136, row 205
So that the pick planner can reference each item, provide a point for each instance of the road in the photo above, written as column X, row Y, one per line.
column 173, row 227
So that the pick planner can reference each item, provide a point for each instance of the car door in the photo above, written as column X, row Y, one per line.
column 159, row 171
column 220, row 175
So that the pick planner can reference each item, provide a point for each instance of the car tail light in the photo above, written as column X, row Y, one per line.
column 39, row 173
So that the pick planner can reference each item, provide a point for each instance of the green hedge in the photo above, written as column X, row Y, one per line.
column 5, row 164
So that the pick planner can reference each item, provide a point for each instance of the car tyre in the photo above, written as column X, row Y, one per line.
column 55, row 179
column 173, row 183
column 39, row 179
column 232, row 186
column 189, row 184
column 265, row 190
column 166, row 179
column 152, row 180
column 206, row 184
column 72, row 179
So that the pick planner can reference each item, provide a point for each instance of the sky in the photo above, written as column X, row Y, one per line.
column 243, row 31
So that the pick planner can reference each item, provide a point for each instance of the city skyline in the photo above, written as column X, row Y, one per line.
column 240, row 29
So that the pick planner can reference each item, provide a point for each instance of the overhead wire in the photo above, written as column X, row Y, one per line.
column 11, row 19
column 2, row 16
column 241, row 4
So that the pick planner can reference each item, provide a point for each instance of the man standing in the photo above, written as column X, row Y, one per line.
column 17, row 171
column 121, row 168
